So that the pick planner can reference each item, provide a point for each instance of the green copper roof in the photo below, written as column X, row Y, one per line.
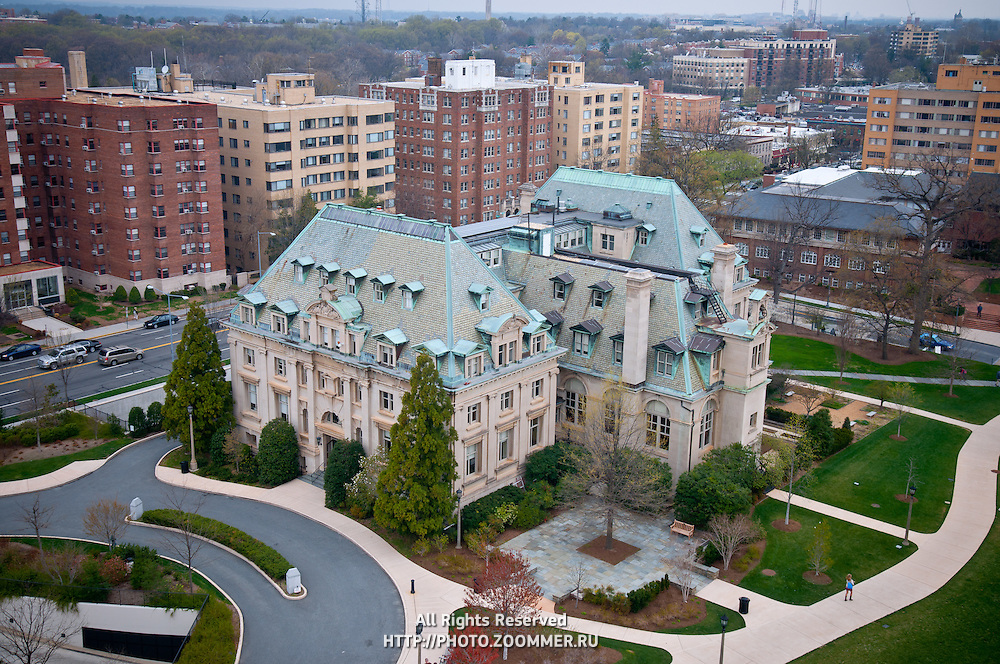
column 331, row 267
column 255, row 298
column 348, row 307
column 413, row 286
column 435, row 347
column 358, row 273
column 287, row 307
column 305, row 261
column 394, row 336
column 491, row 324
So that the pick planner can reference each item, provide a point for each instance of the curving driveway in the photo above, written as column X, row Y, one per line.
column 351, row 602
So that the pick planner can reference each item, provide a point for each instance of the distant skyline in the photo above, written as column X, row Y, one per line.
column 928, row 9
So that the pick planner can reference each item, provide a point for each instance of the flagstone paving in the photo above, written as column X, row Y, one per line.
column 552, row 550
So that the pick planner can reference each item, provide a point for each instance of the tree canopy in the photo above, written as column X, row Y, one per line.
column 414, row 491
column 277, row 453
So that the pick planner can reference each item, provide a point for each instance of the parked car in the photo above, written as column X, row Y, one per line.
column 63, row 356
column 90, row 344
column 116, row 354
column 930, row 340
column 160, row 320
column 20, row 350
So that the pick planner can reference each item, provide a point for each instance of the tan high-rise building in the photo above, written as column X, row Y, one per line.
column 679, row 111
column 910, row 124
column 278, row 140
column 712, row 70
column 969, row 74
column 596, row 125
column 913, row 38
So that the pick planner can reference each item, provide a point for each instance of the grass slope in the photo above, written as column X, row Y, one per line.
column 956, row 624
column 815, row 355
column 879, row 465
column 854, row 550
column 39, row 467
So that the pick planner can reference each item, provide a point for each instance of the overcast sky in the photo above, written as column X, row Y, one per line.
column 834, row 9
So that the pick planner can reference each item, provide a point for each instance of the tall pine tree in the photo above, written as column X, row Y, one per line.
column 414, row 492
column 199, row 379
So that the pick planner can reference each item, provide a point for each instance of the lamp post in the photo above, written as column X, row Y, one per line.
column 259, row 233
column 724, row 619
column 791, row 478
column 170, row 320
column 829, row 285
column 911, row 496
column 458, row 492
column 420, row 642
column 194, row 462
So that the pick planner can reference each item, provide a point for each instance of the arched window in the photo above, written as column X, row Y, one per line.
column 575, row 405
column 657, row 425
column 707, row 425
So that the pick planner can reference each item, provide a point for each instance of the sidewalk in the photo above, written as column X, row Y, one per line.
column 888, row 377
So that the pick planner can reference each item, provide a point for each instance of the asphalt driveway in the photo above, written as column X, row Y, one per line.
column 351, row 603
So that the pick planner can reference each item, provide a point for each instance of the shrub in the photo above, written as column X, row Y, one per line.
column 607, row 596
column 114, row 570
column 154, row 416
column 277, row 453
column 213, row 640
column 120, row 294
column 778, row 415
column 72, row 297
column 114, row 426
column 705, row 491
column 440, row 541
column 421, row 547
column 217, row 446
column 247, row 463
column 150, row 294
column 77, row 316
column 270, row 561
column 641, row 597
column 548, row 464
column 137, row 422
column 479, row 511
column 342, row 465
column 361, row 490
column 534, row 506
column 841, row 439
column 133, row 296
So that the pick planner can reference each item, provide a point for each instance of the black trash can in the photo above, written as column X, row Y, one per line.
column 184, row 466
column 744, row 605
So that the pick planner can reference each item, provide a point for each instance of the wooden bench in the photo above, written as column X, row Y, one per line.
column 682, row 528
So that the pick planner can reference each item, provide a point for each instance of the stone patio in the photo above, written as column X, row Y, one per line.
column 552, row 547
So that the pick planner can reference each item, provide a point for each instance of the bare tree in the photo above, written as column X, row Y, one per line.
column 686, row 574
column 932, row 200
column 37, row 518
column 105, row 520
column 884, row 279
column 849, row 333
column 579, row 576
column 819, row 549
column 903, row 398
column 233, row 446
column 811, row 399
column 912, row 478
column 41, row 401
column 508, row 589
column 64, row 564
column 612, row 461
column 185, row 542
column 33, row 629
column 728, row 532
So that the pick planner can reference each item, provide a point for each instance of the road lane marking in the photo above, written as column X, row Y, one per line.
column 75, row 366
column 11, row 392
column 132, row 373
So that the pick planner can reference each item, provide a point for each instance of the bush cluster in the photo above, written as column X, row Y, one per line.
column 630, row 602
column 779, row 415
column 270, row 561
column 213, row 640
column 549, row 464
column 146, row 571
column 342, row 465
column 480, row 511
column 641, row 597
column 67, row 424
column 143, row 422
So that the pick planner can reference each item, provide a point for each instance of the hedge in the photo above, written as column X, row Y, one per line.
column 633, row 601
column 270, row 561
column 213, row 640
column 480, row 510
column 778, row 415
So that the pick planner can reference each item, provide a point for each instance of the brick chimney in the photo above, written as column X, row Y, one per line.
column 639, row 285
column 435, row 70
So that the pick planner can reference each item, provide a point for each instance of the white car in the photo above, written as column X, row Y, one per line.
column 62, row 356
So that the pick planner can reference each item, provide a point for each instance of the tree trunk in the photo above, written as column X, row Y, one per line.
column 609, row 533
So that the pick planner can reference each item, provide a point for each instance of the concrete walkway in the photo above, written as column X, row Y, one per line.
column 775, row 632
column 888, row 378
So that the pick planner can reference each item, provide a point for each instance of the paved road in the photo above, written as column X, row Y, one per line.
column 89, row 378
column 351, row 603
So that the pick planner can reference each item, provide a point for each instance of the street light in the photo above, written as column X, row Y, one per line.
column 829, row 284
column 170, row 320
column 912, row 496
column 458, row 492
column 259, row 233
column 420, row 643
column 724, row 619
column 194, row 462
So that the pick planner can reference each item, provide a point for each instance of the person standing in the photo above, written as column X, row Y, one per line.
column 849, row 590
column 979, row 310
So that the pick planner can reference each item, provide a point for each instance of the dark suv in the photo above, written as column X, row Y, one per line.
column 117, row 354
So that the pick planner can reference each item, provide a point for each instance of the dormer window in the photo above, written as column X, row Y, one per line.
column 699, row 233
column 642, row 237
column 474, row 365
column 560, row 284
column 388, row 346
column 328, row 271
column 607, row 242
column 352, row 285
column 387, row 355
column 302, row 265
column 537, row 344
column 481, row 293
column 379, row 292
column 664, row 363
column 407, row 300
column 600, row 292
column 279, row 323
column 409, row 292
column 584, row 336
column 354, row 278
column 248, row 315
column 381, row 286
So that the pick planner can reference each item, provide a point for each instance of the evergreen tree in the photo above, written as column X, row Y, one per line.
column 343, row 464
column 197, row 378
column 277, row 453
column 414, row 492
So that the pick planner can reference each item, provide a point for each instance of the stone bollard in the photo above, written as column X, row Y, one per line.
column 293, row 581
column 135, row 509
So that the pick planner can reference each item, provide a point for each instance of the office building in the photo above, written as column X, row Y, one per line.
column 678, row 111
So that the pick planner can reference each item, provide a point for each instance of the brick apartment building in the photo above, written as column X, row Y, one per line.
column 679, row 111
column 466, row 139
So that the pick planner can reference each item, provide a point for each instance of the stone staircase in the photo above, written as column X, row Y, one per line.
column 316, row 478
column 29, row 313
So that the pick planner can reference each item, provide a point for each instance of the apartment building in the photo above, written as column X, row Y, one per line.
column 722, row 70
column 969, row 74
column 466, row 139
column 326, row 340
column 914, row 39
column 808, row 58
column 32, row 75
column 678, row 111
column 645, row 295
column 123, row 190
column 278, row 141
column 911, row 125
column 597, row 125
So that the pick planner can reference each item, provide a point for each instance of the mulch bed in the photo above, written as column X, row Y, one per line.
column 793, row 525
column 903, row 498
column 618, row 552
column 817, row 580
column 899, row 438
column 667, row 611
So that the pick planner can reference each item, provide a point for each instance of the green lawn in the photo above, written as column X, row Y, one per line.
column 634, row 653
column 39, row 467
column 711, row 624
column 991, row 286
column 878, row 465
column 977, row 405
column 854, row 550
column 956, row 624
column 800, row 353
